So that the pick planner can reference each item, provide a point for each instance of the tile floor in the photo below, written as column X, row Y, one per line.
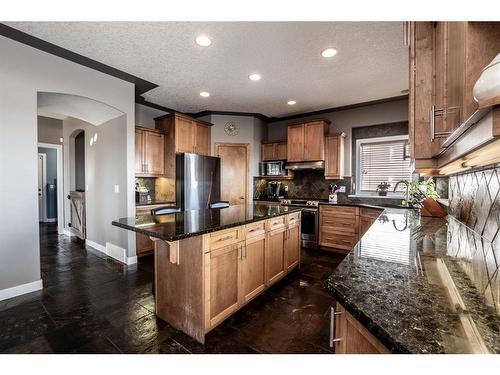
column 92, row 304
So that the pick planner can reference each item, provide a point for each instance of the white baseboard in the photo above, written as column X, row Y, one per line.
column 53, row 220
column 67, row 232
column 113, row 251
column 20, row 289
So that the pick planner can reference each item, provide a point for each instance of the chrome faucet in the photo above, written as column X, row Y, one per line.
column 407, row 192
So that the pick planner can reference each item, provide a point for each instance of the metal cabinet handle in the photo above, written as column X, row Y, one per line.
column 225, row 238
column 333, row 339
column 432, row 122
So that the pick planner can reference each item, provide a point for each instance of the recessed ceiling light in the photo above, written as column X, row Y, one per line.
column 291, row 102
column 254, row 77
column 204, row 94
column 329, row 52
column 203, row 40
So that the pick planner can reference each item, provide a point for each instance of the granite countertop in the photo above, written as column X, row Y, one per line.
column 152, row 203
column 180, row 225
column 423, row 285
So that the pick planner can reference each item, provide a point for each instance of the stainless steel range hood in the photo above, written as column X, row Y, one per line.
column 305, row 165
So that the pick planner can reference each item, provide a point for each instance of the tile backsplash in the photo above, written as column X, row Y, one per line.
column 475, row 200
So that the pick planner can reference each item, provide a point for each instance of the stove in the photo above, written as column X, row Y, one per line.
column 309, row 222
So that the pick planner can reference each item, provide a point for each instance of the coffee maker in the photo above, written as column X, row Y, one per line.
column 274, row 190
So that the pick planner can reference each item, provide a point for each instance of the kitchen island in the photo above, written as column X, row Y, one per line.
column 211, row 262
column 416, row 284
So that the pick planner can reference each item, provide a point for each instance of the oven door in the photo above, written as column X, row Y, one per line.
column 309, row 227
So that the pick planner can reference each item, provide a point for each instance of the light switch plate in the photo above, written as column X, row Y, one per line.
column 342, row 189
column 117, row 188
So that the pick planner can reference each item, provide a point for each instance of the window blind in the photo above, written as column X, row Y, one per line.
column 386, row 161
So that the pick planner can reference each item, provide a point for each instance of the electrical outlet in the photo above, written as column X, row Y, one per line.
column 342, row 189
column 117, row 188
column 286, row 187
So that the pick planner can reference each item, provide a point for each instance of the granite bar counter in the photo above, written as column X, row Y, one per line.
column 185, row 224
column 423, row 285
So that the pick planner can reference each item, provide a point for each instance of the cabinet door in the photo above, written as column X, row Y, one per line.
column 295, row 143
column 292, row 247
column 202, row 139
column 364, row 224
column 184, row 135
column 354, row 337
column 154, row 150
column 281, row 150
column 314, row 141
column 253, row 278
column 333, row 157
column 455, row 74
column 224, row 277
column 268, row 151
column 143, row 243
column 139, row 151
column 275, row 255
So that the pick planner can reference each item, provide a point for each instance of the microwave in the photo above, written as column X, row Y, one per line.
column 272, row 168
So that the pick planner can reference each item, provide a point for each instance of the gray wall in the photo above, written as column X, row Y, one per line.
column 105, row 167
column 49, row 130
column 23, row 72
column 344, row 121
column 144, row 116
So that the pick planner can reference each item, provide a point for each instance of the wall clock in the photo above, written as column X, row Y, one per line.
column 231, row 128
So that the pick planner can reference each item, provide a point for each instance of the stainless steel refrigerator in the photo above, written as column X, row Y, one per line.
column 197, row 181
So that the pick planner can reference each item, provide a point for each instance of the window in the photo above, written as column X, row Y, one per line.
column 382, row 160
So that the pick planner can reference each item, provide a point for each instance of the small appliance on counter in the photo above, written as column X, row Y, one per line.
column 274, row 190
column 141, row 194
column 332, row 197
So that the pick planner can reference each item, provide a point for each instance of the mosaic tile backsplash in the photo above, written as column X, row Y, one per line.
column 475, row 201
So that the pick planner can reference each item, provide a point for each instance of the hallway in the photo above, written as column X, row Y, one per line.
column 92, row 304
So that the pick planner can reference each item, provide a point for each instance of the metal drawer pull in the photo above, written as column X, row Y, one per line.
column 333, row 339
column 225, row 238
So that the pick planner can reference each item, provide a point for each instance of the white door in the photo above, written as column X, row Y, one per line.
column 42, row 178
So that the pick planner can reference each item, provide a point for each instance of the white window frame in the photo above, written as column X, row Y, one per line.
column 359, row 142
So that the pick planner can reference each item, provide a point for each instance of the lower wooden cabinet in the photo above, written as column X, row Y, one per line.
column 275, row 255
column 292, row 247
column 224, row 264
column 252, row 268
column 349, row 336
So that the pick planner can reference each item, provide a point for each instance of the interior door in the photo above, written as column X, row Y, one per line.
column 234, row 171
column 42, row 178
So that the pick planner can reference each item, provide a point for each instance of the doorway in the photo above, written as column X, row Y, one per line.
column 235, row 164
column 53, row 186
column 42, row 182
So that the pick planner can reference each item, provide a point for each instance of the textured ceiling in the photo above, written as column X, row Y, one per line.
column 371, row 63
column 64, row 105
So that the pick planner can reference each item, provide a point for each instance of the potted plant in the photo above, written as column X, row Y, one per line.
column 382, row 188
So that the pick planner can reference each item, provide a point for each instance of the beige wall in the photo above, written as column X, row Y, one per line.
column 144, row 116
column 49, row 130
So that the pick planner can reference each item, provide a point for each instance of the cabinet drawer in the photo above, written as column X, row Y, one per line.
column 276, row 223
column 347, row 225
column 255, row 229
column 371, row 213
column 339, row 211
column 225, row 237
column 337, row 240
column 293, row 219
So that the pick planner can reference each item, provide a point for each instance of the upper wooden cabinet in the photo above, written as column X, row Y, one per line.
column 446, row 59
column 185, row 134
column 149, row 152
column 306, row 141
column 274, row 150
column 334, row 156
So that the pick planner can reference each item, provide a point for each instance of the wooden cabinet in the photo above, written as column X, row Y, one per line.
column 253, row 275
column 292, row 247
column 224, row 265
column 184, row 134
column 274, row 150
column 275, row 256
column 338, row 227
column 143, row 243
column 446, row 59
column 334, row 156
column 306, row 141
column 149, row 152
column 351, row 337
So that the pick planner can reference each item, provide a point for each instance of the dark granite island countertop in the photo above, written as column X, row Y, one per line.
column 181, row 225
column 423, row 285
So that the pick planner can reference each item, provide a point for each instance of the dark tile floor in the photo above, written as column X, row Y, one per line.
column 92, row 304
